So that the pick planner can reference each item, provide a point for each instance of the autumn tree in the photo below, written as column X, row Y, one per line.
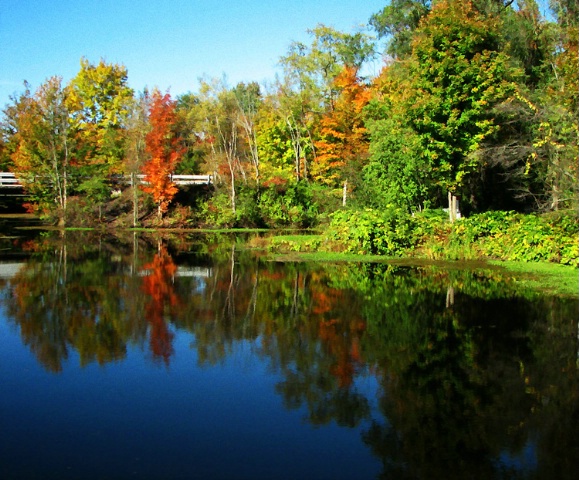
column 343, row 144
column 308, row 89
column 274, row 145
column 5, row 160
column 313, row 68
column 396, row 174
column 299, row 120
column 456, row 73
column 188, row 110
column 224, row 135
column 536, row 147
column 164, row 147
column 99, row 103
column 556, row 133
column 248, row 99
column 41, row 140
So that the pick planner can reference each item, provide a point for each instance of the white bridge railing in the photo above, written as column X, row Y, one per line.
column 10, row 180
column 181, row 179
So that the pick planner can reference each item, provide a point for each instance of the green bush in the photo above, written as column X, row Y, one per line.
column 288, row 205
column 499, row 235
column 277, row 206
column 247, row 212
column 371, row 232
column 513, row 236
column 217, row 211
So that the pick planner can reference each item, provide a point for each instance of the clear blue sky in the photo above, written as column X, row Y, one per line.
column 163, row 43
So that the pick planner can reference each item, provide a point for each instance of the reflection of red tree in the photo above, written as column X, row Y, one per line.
column 158, row 285
column 340, row 337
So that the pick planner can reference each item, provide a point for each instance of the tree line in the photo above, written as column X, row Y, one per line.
column 476, row 101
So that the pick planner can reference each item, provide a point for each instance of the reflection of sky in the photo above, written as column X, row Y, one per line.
column 9, row 270
column 200, row 286
column 14, row 356
column 524, row 461
column 368, row 386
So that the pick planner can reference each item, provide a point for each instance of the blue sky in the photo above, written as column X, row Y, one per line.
column 163, row 43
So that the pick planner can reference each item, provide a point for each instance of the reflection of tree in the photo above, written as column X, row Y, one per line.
column 450, row 372
column 223, row 312
column 435, row 405
column 60, row 302
column 456, row 400
column 161, row 300
column 70, row 295
column 314, row 340
column 466, row 382
column 552, row 381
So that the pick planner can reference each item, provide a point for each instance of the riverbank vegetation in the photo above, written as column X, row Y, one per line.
column 474, row 109
column 507, row 236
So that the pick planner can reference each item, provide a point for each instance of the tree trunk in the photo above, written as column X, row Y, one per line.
column 135, row 198
column 233, row 207
column 452, row 207
column 296, row 144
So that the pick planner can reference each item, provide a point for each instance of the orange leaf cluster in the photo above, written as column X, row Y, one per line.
column 165, row 149
column 343, row 135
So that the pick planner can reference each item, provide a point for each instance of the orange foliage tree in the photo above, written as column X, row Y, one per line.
column 343, row 143
column 165, row 148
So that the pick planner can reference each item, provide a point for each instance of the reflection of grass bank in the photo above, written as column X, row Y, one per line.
column 541, row 276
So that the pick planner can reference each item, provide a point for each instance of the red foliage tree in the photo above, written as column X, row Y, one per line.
column 165, row 148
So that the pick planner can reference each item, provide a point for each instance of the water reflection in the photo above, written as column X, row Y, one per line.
column 161, row 301
column 477, row 379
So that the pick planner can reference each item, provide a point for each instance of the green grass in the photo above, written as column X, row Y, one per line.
column 545, row 277
column 327, row 257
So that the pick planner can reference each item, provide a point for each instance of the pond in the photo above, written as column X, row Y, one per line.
column 194, row 357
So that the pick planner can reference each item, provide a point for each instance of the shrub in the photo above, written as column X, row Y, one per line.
column 512, row 236
column 500, row 235
column 287, row 205
column 217, row 211
column 371, row 232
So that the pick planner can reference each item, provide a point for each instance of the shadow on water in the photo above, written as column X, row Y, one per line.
column 473, row 376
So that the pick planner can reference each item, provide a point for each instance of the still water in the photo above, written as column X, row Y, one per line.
column 194, row 357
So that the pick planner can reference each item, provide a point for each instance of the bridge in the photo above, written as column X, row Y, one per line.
column 180, row 179
column 10, row 180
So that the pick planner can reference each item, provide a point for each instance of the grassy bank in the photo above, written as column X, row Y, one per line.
column 439, row 247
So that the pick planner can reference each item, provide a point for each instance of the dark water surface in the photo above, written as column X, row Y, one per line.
column 192, row 357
